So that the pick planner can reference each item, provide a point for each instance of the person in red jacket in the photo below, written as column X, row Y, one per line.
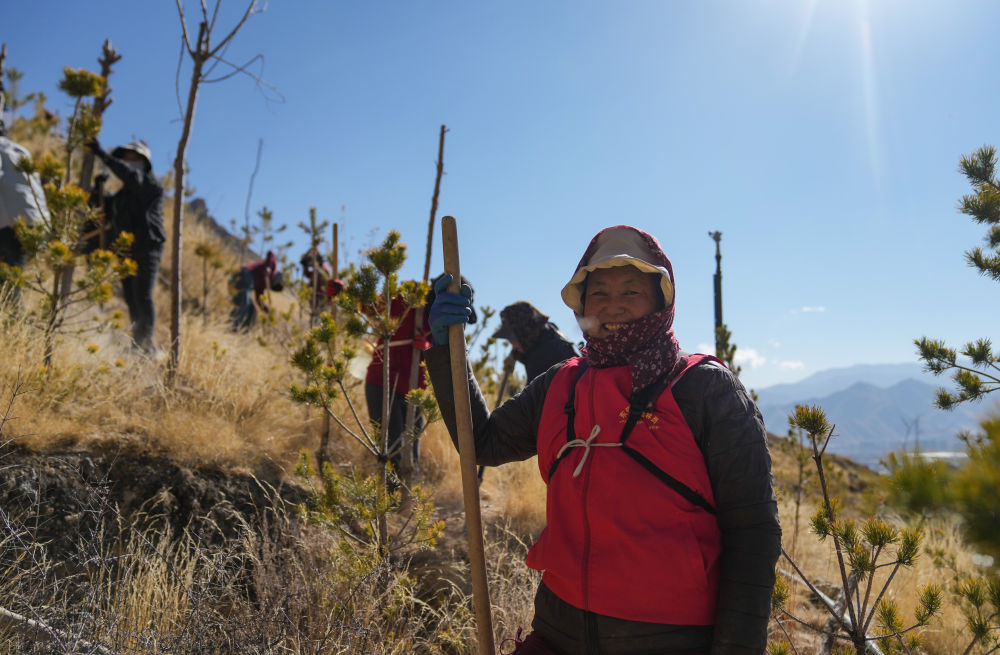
column 406, row 343
column 662, row 526
column 257, row 277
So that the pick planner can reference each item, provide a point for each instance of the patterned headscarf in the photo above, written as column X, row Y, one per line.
column 646, row 345
column 521, row 322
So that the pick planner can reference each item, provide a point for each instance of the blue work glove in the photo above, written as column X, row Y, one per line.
column 449, row 309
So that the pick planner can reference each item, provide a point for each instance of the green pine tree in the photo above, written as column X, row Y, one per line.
column 978, row 373
column 365, row 304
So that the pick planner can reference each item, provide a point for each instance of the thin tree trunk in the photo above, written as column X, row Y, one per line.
column 387, row 392
column 175, row 280
column 204, row 291
column 108, row 58
column 407, row 461
column 324, row 440
column 70, row 133
column 50, row 325
column 313, row 303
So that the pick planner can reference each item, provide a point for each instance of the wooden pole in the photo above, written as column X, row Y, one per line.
column 467, row 449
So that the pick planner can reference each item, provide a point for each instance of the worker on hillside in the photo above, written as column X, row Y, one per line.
column 21, row 197
column 257, row 277
column 407, row 342
column 137, row 208
column 536, row 342
column 316, row 274
column 662, row 525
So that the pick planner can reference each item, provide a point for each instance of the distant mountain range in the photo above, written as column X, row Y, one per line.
column 877, row 409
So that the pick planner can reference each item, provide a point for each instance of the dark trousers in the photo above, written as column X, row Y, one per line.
column 139, row 292
column 244, row 313
column 397, row 419
column 12, row 254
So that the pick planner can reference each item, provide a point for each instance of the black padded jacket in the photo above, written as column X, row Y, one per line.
column 138, row 206
column 550, row 348
column 730, row 433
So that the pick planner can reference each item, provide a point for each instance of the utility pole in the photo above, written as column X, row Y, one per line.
column 717, row 280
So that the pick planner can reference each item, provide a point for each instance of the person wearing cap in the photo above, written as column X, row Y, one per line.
column 662, row 527
column 21, row 198
column 535, row 342
column 137, row 208
column 257, row 277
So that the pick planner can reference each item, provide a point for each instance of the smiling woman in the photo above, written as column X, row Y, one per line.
column 616, row 296
column 661, row 528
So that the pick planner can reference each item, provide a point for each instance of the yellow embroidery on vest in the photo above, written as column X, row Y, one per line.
column 651, row 420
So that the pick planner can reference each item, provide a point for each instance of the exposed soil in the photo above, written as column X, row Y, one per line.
column 71, row 491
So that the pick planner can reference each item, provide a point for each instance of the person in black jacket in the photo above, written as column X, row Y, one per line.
column 137, row 208
column 536, row 342
column 666, row 542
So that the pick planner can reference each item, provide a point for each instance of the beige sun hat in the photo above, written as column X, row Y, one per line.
column 621, row 245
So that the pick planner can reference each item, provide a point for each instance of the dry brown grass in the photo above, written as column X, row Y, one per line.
column 229, row 407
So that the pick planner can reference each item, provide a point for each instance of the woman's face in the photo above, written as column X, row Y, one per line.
column 616, row 296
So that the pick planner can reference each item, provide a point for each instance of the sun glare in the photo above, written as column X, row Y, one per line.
column 869, row 92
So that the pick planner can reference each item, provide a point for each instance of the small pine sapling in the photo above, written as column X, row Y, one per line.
column 356, row 506
column 50, row 245
column 12, row 99
column 310, row 292
column 83, row 123
column 869, row 554
column 979, row 599
column 795, row 445
column 211, row 263
column 366, row 310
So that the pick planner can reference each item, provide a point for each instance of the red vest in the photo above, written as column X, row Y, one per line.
column 618, row 540
column 401, row 351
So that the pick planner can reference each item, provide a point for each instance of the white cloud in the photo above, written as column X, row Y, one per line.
column 809, row 309
column 774, row 343
column 791, row 364
column 707, row 348
column 749, row 357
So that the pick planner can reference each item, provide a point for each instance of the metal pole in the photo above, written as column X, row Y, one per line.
column 717, row 281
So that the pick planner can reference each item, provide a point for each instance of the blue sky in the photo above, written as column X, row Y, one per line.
column 821, row 137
